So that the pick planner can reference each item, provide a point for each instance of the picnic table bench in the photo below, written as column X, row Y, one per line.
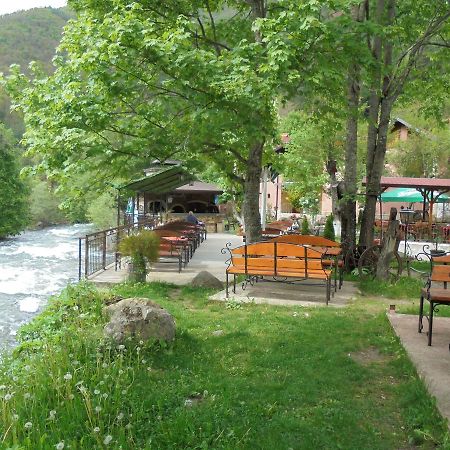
column 435, row 295
column 281, row 261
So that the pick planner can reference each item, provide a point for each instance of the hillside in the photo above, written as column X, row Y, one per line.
column 28, row 36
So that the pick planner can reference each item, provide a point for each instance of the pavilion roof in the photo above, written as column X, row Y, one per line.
column 438, row 184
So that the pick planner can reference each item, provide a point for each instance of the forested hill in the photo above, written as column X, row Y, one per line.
column 26, row 36
column 31, row 35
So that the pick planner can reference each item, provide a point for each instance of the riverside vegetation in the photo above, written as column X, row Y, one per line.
column 253, row 377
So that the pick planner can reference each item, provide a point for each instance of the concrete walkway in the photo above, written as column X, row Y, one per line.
column 432, row 363
column 207, row 257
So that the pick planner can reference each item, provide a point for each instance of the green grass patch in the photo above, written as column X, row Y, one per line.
column 253, row 377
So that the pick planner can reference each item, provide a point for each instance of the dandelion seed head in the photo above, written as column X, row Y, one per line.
column 104, row 365
column 102, row 383
column 60, row 445
column 124, row 391
column 15, row 379
column 98, row 409
column 27, row 395
column 128, row 426
column 121, row 347
column 68, row 376
column 27, row 368
column 28, row 426
column 105, row 395
column 15, row 416
column 141, row 342
column 108, row 439
column 71, row 396
column 8, row 397
column 2, row 387
column 120, row 372
column 96, row 430
column 96, row 392
column 120, row 416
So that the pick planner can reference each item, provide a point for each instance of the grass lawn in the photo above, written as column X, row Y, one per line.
column 237, row 377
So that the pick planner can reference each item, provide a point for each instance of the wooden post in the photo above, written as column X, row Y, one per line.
column 388, row 245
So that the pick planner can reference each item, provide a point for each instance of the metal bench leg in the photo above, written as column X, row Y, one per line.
column 430, row 327
column 226, row 288
column 328, row 289
column 234, row 283
column 421, row 314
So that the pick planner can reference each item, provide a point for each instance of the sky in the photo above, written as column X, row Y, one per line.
column 9, row 6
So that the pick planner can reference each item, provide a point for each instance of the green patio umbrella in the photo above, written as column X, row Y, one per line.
column 410, row 195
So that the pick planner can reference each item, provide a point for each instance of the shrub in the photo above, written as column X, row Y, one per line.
column 143, row 249
column 305, row 226
column 328, row 231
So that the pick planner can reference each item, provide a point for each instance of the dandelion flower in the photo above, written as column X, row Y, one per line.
column 60, row 445
column 28, row 426
column 68, row 376
column 108, row 439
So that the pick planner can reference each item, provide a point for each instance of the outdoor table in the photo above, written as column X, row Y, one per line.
column 181, row 242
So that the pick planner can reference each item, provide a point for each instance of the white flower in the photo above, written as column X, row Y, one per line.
column 141, row 342
column 15, row 416
column 96, row 430
column 96, row 392
column 2, row 387
column 68, row 376
column 121, row 347
column 104, row 365
column 120, row 372
column 8, row 397
column 27, row 395
column 143, row 361
column 27, row 368
column 60, row 445
column 28, row 425
column 102, row 383
column 15, row 379
column 52, row 415
column 82, row 389
column 120, row 416
column 138, row 349
column 108, row 439
column 98, row 409
column 128, row 426
column 124, row 391
column 76, row 308
column 105, row 395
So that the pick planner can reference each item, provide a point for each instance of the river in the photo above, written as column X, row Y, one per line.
column 33, row 266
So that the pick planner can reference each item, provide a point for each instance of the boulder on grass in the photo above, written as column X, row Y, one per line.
column 139, row 318
column 206, row 280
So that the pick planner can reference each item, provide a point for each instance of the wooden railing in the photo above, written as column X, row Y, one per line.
column 96, row 251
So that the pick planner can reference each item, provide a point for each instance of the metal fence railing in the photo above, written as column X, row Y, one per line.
column 96, row 251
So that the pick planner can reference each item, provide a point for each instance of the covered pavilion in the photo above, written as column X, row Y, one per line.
column 168, row 191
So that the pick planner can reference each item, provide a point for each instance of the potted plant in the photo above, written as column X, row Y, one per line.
column 142, row 248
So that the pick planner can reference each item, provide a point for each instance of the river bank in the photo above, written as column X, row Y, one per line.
column 33, row 266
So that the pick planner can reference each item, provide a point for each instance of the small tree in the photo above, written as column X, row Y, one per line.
column 328, row 232
column 305, row 226
column 143, row 249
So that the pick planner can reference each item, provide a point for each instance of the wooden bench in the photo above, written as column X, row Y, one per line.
column 435, row 295
column 277, row 260
column 326, row 246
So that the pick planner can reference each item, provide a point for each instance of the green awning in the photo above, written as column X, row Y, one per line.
column 161, row 182
column 409, row 195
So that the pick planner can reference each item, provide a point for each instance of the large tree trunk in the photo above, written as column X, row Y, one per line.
column 348, row 202
column 252, row 217
column 380, row 108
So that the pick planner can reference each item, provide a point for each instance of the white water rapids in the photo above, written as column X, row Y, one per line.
column 33, row 266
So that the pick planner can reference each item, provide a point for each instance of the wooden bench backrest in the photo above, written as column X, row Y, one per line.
column 274, row 256
column 300, row 239
column 440, row 274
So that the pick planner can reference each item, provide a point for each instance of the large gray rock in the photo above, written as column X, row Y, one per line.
column 207, row 280
column 139, row 318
